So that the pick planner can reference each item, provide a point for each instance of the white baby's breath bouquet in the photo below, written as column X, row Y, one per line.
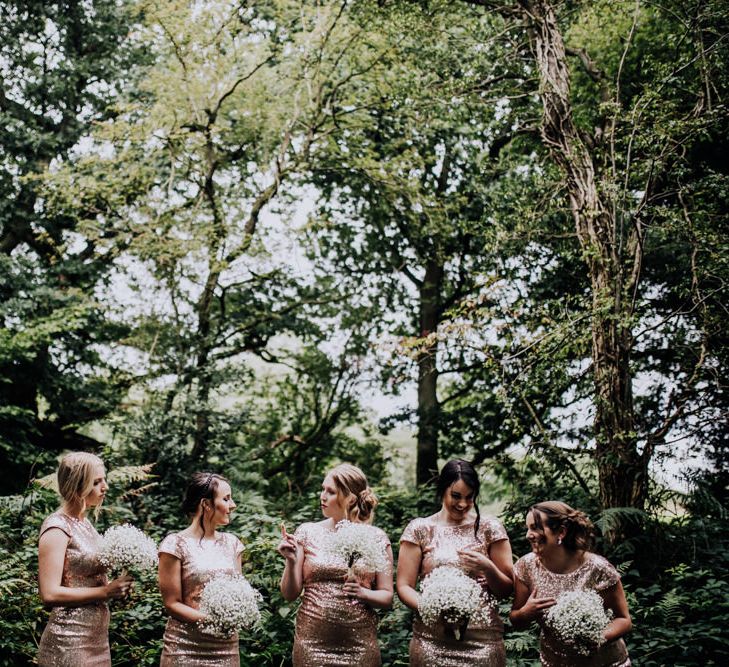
column 230, row 605
column 579, row 619
column 358, row 544
column 125, row 548
column 450, row 596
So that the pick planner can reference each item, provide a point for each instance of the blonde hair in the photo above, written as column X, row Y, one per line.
column 76, row 473
column 357, row 497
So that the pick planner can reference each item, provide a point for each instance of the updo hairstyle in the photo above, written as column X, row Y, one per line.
column 202, row 486
column 75, row 476
column 580, row 532
column 450, row 473
column 357, row 497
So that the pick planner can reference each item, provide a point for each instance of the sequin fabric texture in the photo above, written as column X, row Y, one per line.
column 333, row 630
column 184, row 644
column 77, row 636
column 482, row 644
column 596, row 574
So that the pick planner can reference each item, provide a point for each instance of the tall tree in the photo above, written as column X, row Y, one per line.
column 406, row 180
column 624, row 141
column 63, row 64
column 184, row 181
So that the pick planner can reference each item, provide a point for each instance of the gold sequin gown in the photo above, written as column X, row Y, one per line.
column 482, row 645
column 333, row 630
column 77, row 636
column 595, row 574
column 184, row 644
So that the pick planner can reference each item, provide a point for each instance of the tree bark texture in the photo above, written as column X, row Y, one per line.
column 622, row 469
column 428, row 408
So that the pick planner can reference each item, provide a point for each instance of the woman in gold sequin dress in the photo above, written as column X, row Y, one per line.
column 187, row 561
column 457, row 535
column 561, row 561
column 71, row 579
column 336, row 625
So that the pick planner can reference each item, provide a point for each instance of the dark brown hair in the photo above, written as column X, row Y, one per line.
column 450, row 473
column 580, row 533
column 202, row 486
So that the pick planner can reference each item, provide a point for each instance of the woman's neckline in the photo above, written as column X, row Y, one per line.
column 209, row 540
column 468, row 522
column 72, row 517
column 328, row 527
column 585, row 560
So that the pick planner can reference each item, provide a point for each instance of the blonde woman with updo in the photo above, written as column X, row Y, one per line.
column 71, row 580
column 336, row 625
column 561, row 561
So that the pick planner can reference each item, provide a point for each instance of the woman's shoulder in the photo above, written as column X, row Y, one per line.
column 380, row 534
column 423, row 521
column 57, row 520
column 526, row 564
column 601, row 568
column 228, row 538
column 417, row 528
column 312, row 525
column 231, row 541
column 527, row 560
column 177, row 535
column 172, row 544
column 490, row 529
column 306, row 528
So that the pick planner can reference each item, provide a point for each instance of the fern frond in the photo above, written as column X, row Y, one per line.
column 127, row 474
column 624, row 568
column 48, row 482
column 612, row 518
column 670, row 608
column 134, row 493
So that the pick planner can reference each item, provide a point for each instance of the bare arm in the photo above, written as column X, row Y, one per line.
column 381, row 595
column 170, row 586
column 495, row 567
column 292, row 579
column 51, row 555
column 614, row 598
column 408, row 567
column 527, row 606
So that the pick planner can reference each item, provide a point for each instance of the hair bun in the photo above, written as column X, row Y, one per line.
column 366, row 502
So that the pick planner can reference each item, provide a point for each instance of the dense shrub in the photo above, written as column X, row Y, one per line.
column 673, row 572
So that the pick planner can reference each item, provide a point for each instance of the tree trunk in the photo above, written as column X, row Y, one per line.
column 204, row 312
column 428, row 409
column 622, row 470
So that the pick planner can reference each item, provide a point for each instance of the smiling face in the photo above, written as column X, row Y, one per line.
column 541, row 537
column 458, row 501
column 222, row 505
column 95, row 497
column 330, row 500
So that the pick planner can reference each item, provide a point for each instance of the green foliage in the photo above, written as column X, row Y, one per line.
column 677, row 587
column 162, row 298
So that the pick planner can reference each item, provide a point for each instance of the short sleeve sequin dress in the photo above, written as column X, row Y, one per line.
column 482, row 645
column 595, row 574
column 332, row 629
column 184, row 644
column 77, row 636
